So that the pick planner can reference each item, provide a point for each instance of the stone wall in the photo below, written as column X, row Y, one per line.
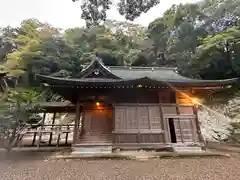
column 215, row 120
column 214, row 124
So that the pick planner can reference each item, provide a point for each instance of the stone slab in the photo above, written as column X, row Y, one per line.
column 92, row 150
column 187, row 149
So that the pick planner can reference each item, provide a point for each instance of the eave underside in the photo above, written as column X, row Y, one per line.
column 143, row 82
column 71, row 89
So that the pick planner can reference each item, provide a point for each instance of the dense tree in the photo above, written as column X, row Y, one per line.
column 221, row 14
column 218, row 56
column 94, row 11
column 6, row 43
column 183, row 31
column 185, row 36
column 40, row 49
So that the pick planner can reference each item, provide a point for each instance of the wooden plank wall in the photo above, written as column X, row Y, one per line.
column 138, row 124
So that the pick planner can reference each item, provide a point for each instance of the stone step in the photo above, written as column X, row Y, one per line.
column 187, row 149
column 95, row 138
column 85, row 144
column 100, row 136
column 91, row 150
column 94, row 142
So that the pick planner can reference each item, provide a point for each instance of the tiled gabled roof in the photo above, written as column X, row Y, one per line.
column 122, row 74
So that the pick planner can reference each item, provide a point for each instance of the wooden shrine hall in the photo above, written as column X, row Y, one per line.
column 133, row 107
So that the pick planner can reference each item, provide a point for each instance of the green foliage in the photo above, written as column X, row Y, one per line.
column 23, row 95
column 182, row 37
column 234, row 133
column 216, row 58
column 15, row 106
column 94, row 11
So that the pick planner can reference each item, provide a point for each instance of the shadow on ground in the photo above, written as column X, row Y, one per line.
column 23, row 156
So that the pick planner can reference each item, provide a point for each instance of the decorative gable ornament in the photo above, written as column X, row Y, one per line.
column 96, row 72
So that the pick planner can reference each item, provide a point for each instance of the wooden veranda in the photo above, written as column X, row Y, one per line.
column 45, row 133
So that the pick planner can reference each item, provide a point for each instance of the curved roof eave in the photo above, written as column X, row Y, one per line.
column 96, row 81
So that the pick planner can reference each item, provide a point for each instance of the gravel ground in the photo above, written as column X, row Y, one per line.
column 37, row 167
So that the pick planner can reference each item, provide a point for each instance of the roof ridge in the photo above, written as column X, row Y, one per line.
column 141, row 67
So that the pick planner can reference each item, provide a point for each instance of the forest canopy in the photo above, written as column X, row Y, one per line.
column 202, row 40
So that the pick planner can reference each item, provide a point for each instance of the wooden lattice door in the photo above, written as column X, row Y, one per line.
column 97, row 122
column 186, row 131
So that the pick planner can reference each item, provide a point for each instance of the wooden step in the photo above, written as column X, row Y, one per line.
column 95, row 139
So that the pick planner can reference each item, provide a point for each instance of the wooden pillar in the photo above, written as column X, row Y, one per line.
column 44, row 117
column 113, row 124
column 20, row 139
column 41, row 129
column 149, row 119
column 16, row 142
column 164, row 122
column 83, row 123
column 165, row 126
column 179, row 118
column 76, row 123
column 200, row 137
column 138, row 123
column 34, row 138
column 66, row 138
column 180, row 128
column 58, row 140
column 53, row 121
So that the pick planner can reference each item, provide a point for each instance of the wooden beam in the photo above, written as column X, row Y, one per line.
column 153, row 104
column 145, row 131
column 179, row 116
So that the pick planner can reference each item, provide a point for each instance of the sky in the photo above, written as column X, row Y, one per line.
column 66, row 14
